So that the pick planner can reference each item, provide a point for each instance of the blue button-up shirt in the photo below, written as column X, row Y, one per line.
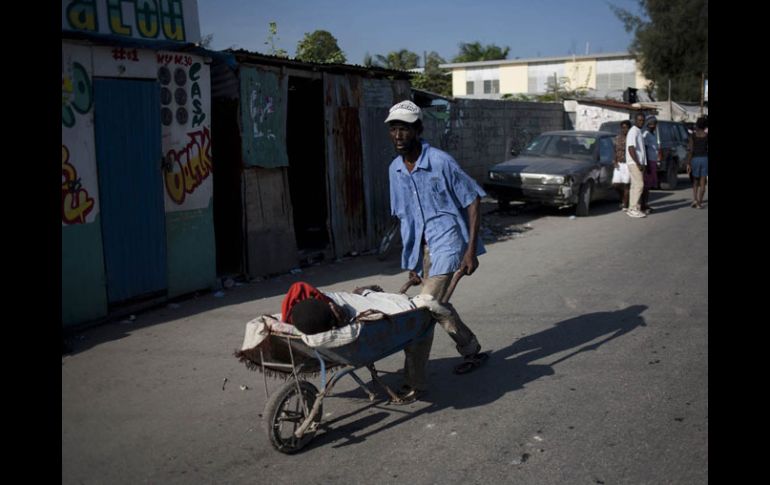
column 431, row 203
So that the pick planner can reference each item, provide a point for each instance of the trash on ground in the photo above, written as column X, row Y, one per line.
column 519, row 461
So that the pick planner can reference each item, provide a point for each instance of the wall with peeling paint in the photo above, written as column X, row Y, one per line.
column 184, row 164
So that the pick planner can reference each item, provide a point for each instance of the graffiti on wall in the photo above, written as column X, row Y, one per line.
column 178, row 73
column 147, row 20
column 187, row 168
column 76, row 93
column 261, row 107
column 76, row 204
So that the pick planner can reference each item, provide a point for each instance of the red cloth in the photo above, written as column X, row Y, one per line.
column 298, row 292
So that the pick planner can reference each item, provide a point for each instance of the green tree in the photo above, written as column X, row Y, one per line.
column 271, row 39
column 474, row 51
column 671, row 41
column 320, row 46
column 206, row 41
column 433, row 78
column 401, row 60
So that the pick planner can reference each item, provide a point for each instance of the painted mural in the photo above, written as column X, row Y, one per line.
column 174, row 20
column 185, row 87
column 79, row 190
column 185, row 113
column 263, row 117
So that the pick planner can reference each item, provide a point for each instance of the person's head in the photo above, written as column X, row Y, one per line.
column 701, row 123
column 405, row 126
column 312, row 316
column 639, row 119
column 625, row 125
column 651, row 122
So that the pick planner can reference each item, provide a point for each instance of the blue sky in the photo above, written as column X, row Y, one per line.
column 531, row 28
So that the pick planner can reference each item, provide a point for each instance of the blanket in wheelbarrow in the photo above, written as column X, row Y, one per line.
column 270, row 345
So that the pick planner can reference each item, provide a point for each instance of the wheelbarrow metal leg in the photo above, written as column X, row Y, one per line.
column 393, row 396
column 363, row 385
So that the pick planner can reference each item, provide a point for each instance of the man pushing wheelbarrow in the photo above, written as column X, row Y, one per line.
column 438, row 206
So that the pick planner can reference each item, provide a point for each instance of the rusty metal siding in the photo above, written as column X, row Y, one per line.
column 358, row 154
column 347, row 212
column 378, row 97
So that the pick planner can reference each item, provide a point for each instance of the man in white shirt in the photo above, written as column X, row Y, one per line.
column 636, row 160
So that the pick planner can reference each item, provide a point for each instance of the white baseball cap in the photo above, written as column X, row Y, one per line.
column 405, row 111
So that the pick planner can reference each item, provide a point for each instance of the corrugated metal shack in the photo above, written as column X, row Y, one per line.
column 301, row 154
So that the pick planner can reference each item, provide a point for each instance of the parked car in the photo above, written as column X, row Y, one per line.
column 673, row 141
column 558, row 168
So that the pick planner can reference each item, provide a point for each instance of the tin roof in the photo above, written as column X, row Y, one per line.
column 244, row 56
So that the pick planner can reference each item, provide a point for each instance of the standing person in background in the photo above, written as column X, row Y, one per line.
column 620, row 176
column 698, row 162
column 651, row 150
column 636, row 162
column 438, row 206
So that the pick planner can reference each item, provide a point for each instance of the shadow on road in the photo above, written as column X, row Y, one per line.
column 507, row 370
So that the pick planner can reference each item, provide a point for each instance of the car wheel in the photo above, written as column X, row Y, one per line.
column 584, row 199
column 672, row 177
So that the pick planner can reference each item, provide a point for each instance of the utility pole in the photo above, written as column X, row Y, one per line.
column 702, row 88
column 670, row 108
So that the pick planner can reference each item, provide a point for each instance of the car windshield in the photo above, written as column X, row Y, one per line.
column 573, row 146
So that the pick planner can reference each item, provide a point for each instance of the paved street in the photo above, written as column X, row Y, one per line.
column 598, row 329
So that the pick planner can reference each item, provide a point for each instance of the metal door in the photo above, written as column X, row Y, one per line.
column 128, row 152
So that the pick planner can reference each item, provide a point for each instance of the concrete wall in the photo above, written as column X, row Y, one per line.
column 581, row 74
column 480, row 133
column 513, row 79
column 458, row 81
column 589, row 117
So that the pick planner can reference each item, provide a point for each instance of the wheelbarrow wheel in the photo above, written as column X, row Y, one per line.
column 284, row 413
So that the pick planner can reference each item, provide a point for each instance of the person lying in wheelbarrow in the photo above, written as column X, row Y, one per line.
column 312, row 312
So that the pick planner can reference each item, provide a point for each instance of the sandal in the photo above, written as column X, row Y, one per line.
column 693, row 204
column 407, row 395
column 471, row 363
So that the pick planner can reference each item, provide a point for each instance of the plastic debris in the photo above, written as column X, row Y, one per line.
column 219, row 294
column 223, row 383
column 519, row 461
column 244, row 388
column 572, row 218
column 228, row 283
column 296, row 271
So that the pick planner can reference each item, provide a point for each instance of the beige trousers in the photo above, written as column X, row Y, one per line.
column 637, row 186
column 418, row 353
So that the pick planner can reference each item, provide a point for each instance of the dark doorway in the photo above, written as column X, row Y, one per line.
column 305, row 139
column 228, row 205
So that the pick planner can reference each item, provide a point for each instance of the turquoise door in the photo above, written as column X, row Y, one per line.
column 128, row 154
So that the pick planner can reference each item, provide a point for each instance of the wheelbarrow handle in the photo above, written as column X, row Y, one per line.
column 455, row 279
column 413, row 281
column 452, row 284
